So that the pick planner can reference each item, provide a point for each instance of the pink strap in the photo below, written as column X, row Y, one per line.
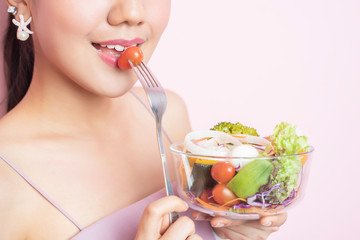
column 41, row 192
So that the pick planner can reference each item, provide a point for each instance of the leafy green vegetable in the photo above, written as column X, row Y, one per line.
column 287, row 174
column 234, row 128
column 286, row 139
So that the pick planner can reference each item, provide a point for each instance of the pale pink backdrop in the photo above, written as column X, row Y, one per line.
column 263, row 62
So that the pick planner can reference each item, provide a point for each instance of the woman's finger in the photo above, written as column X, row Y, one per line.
column 194, row 237
column 219, row 222
column 245, row 229
column 220, row 233
column 183, row 228
column 165, row 223
column 234, row 235
column 274, row 220
column 153, row 222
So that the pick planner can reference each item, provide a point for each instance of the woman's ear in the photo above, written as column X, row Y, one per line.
column 22, row 7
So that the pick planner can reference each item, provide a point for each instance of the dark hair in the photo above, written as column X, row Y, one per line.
column 19, row 65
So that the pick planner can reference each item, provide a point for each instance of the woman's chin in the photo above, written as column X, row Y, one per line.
column 116, row 91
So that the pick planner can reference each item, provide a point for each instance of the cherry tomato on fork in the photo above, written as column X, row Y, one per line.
column 222, row 172
column 132, row 54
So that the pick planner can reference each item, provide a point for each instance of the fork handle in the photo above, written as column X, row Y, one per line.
column 173, row 216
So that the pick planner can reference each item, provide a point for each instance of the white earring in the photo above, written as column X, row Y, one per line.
column 22, row 32
column 12, row 10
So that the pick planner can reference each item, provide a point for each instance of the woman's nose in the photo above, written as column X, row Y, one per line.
column 129, row 12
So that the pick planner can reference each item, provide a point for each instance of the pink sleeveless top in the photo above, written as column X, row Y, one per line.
column 121, row 224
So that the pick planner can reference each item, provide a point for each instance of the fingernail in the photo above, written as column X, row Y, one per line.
column 219, row 225
column 267, row 224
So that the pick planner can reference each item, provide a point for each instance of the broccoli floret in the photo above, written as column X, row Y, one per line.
column 223, row 127
column 234, row 128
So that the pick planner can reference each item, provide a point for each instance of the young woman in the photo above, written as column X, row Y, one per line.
column 79, row 156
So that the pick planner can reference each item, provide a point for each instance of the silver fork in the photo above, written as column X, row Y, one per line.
column 157, row 99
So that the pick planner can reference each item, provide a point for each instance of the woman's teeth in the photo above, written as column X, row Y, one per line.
column 118, row 48
column 110, row 52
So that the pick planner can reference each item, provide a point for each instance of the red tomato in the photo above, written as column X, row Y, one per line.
column 133, row 54
column 223, row 195
column 222, row 172
column 206, row 196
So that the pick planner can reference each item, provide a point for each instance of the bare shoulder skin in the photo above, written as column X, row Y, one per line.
column 86, row 173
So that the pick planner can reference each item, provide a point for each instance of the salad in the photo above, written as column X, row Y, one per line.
column 241, row 172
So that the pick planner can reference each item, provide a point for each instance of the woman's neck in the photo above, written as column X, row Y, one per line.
column 61, row 103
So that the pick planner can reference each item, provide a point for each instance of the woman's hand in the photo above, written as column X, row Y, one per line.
column 244, row 229
column 154, row 223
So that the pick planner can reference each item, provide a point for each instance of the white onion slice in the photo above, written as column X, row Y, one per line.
column 210, row 149
column 253, row 139
column 261, row 143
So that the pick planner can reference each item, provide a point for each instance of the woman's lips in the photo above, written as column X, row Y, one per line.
column 110, row 51
column 108, row 55
column 108, row 58
column 123, row 42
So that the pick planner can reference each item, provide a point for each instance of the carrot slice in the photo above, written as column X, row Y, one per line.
column 182, row 175
column 202, row 139
column 238, row 136
column 303, row 157
column 232, row 201
column 212, row 207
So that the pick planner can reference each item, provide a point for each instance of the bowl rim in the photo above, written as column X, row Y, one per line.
column 174, row 150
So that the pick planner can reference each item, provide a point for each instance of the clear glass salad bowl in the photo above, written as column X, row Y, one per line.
column 268, row 185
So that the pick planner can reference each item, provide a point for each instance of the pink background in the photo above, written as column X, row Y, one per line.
column 263, row 62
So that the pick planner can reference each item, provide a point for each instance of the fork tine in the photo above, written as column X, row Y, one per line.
column 140, row 75
column 151, row 75
column 147, row 75
column 144, row 75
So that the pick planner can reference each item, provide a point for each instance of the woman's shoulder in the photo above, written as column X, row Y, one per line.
column 12, row 126
column 176, row 118
column 15, row 203
column 21, row 206
column 11, row 135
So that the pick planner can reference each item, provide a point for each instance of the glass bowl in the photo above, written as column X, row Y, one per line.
column 195, row 185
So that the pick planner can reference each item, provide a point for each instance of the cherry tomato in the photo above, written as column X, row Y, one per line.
column 206, row 196
column 133, row 54
column 223, row 194
column 222, row 172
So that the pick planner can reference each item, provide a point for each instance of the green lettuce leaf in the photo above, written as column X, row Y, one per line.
column 287, row 174
column 286, row 139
